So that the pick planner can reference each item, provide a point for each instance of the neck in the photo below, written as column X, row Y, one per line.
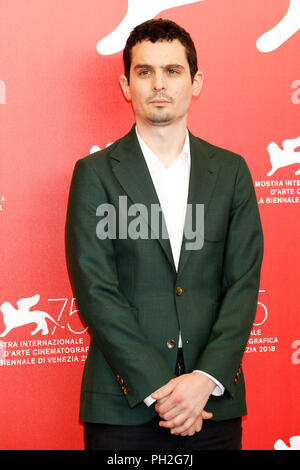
column 166, row 142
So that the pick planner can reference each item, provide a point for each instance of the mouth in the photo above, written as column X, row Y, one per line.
column 158, row 101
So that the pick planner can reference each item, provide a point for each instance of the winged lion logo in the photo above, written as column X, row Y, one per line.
column 21, row 316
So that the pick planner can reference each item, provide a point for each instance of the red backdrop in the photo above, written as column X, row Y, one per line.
column 60, row 97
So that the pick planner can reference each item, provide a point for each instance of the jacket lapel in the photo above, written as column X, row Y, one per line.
column 133, row 175
column 131, row 170
column 203, row 177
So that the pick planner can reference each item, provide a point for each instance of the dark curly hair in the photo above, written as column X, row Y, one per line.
column 160, row 30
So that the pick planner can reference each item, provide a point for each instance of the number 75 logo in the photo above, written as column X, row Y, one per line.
column 70, row 312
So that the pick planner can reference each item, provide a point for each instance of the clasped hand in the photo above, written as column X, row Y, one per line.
column 181, row 402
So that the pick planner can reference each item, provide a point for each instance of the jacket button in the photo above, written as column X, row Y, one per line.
column 171, row 344
column 179, row 291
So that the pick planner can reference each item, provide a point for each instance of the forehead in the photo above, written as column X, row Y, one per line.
column 159, row 53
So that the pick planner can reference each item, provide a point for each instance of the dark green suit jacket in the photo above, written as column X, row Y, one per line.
column 126, row 289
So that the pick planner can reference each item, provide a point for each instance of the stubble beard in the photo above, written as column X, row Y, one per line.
column 160, row 118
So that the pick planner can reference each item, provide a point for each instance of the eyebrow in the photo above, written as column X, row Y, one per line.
column 167, row 66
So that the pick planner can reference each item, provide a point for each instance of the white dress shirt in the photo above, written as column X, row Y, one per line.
column 172, row 185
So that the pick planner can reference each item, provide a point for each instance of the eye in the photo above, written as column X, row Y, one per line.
column 144, row 73
column 173, row 71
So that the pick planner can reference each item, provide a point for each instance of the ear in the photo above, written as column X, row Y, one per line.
column 197, row 83
column 125, row 87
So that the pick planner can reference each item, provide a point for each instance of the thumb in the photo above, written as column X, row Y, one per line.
column 206, row 414
column 164, row 391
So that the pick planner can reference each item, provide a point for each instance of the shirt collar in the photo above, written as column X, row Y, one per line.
column 153, row 161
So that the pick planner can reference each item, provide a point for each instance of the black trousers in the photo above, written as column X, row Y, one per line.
column 214, row 435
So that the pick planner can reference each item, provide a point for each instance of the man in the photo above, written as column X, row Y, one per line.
column 169, row 317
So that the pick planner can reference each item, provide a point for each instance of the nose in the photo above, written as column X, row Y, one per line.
column 158, row 83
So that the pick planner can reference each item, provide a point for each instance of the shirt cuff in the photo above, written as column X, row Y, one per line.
column 149, row 400
column 219, row 389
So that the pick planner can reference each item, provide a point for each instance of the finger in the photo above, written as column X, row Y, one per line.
column 161, row 411
column 198, row 424
column 169, row 414
column 164, row 391
column 188, row 423
column 169, row 404
column 206, row 414
column 177, row 415
column 196, row 427
column 175, row 422
column 190, row 432
column 159, row 403
column 163, row 399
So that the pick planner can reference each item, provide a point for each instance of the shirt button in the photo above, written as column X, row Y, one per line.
column 179, row 291
column 171, row 344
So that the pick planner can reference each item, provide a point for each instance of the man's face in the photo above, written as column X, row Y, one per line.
column 160, row 85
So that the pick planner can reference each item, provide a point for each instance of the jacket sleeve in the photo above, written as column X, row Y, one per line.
column 105, row 310
column 241, row 276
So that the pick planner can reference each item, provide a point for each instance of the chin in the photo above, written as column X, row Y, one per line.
column 161, row 119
